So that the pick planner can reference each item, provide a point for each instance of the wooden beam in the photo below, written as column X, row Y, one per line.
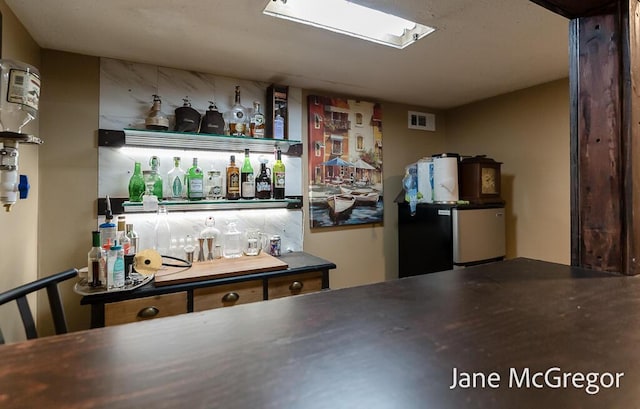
column 582, row 8
column 630, row 132
column 605, row 145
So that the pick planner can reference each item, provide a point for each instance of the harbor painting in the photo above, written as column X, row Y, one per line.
column 345, row 162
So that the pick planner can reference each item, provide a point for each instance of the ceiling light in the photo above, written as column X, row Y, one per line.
column 345, row 17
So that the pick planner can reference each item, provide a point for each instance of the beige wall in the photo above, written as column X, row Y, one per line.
column 68, row 168
column 369, row 253
column 528, row 130
column 18, row 241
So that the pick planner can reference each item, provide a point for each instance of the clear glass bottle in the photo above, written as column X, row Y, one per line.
column 156, row 120
column 195, row 187
column 238, row 117
column 121, row 235
column 136, row 184
column 154, row 162
column 133, row 239
column 278, row 177
column 257, row 123
column 263, row 182
column 214, row 184
column 115, row 267
column 278, row 126
column 162, row 232
column 175, row 189
column 96, row 263
column 233, row 179
column 247, row 180
column 232, row 242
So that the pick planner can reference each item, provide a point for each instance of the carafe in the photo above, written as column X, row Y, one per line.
column 232, row 242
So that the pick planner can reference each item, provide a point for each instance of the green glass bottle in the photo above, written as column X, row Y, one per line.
column 195, row 184
column 247, row 181
column 136, row 184
column 278, row 177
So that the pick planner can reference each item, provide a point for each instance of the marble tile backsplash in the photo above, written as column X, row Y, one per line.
column 126, row 90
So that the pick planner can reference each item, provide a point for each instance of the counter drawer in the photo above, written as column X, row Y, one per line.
column 227, row 295
column 294, row 284
column 140, row 309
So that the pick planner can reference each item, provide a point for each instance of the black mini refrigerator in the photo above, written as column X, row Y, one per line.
column 440, row 236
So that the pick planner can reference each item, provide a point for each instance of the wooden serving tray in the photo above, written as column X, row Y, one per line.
column 220, row 268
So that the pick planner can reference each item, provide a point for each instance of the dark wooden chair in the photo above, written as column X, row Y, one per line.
column 19, row 295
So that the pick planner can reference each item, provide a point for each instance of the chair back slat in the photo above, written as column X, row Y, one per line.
column 27, row 317
column 19, row 295
column 57, row 311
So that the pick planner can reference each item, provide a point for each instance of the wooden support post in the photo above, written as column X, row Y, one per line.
column 605, row 132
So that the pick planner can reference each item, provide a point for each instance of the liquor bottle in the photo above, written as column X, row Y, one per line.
column 238, row 118
column 278, row 177
column 136, row 184
column 175, row 181
column 133, row 239
column 278, row 126
column 248, row 187
column 121, row 235
column 96, row 262
column 257, row 122
column 195, row 185
column 156, row 120
column 154, row 162
column 214, row 185
column 233, row 180
column 263, row 182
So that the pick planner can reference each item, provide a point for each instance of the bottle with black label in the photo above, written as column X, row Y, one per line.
column 248, row 187
column 263, row 182
column 233, row 180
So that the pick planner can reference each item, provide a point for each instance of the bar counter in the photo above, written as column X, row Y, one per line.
column 389, row 345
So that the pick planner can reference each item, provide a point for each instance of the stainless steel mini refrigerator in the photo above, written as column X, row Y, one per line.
column 478, row 235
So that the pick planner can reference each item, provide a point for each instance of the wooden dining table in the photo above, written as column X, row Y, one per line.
column 395, row 344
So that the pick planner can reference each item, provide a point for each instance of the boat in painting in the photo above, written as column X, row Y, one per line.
column 341, row 205
column 363, row 196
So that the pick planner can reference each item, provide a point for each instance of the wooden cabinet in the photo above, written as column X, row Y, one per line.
column 294, row 285
column 305, row 274
column 141, row 309
column 227, row 295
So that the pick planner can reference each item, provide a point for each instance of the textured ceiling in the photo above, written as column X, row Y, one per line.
column 481, row 48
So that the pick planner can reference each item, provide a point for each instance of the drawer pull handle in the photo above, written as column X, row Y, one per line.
column 230, row 297
column 296, row 286
column 148, row 312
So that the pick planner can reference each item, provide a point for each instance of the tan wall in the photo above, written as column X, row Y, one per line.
column 369, row 253
column 528, row 130
column 68, row 168
column 18, row 238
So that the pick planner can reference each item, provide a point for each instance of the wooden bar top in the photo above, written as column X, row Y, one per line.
column 389, row 345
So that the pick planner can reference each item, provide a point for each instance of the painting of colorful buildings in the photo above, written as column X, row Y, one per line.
column 345, row 161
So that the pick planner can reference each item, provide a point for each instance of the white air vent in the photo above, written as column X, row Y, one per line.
column 422, row 121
